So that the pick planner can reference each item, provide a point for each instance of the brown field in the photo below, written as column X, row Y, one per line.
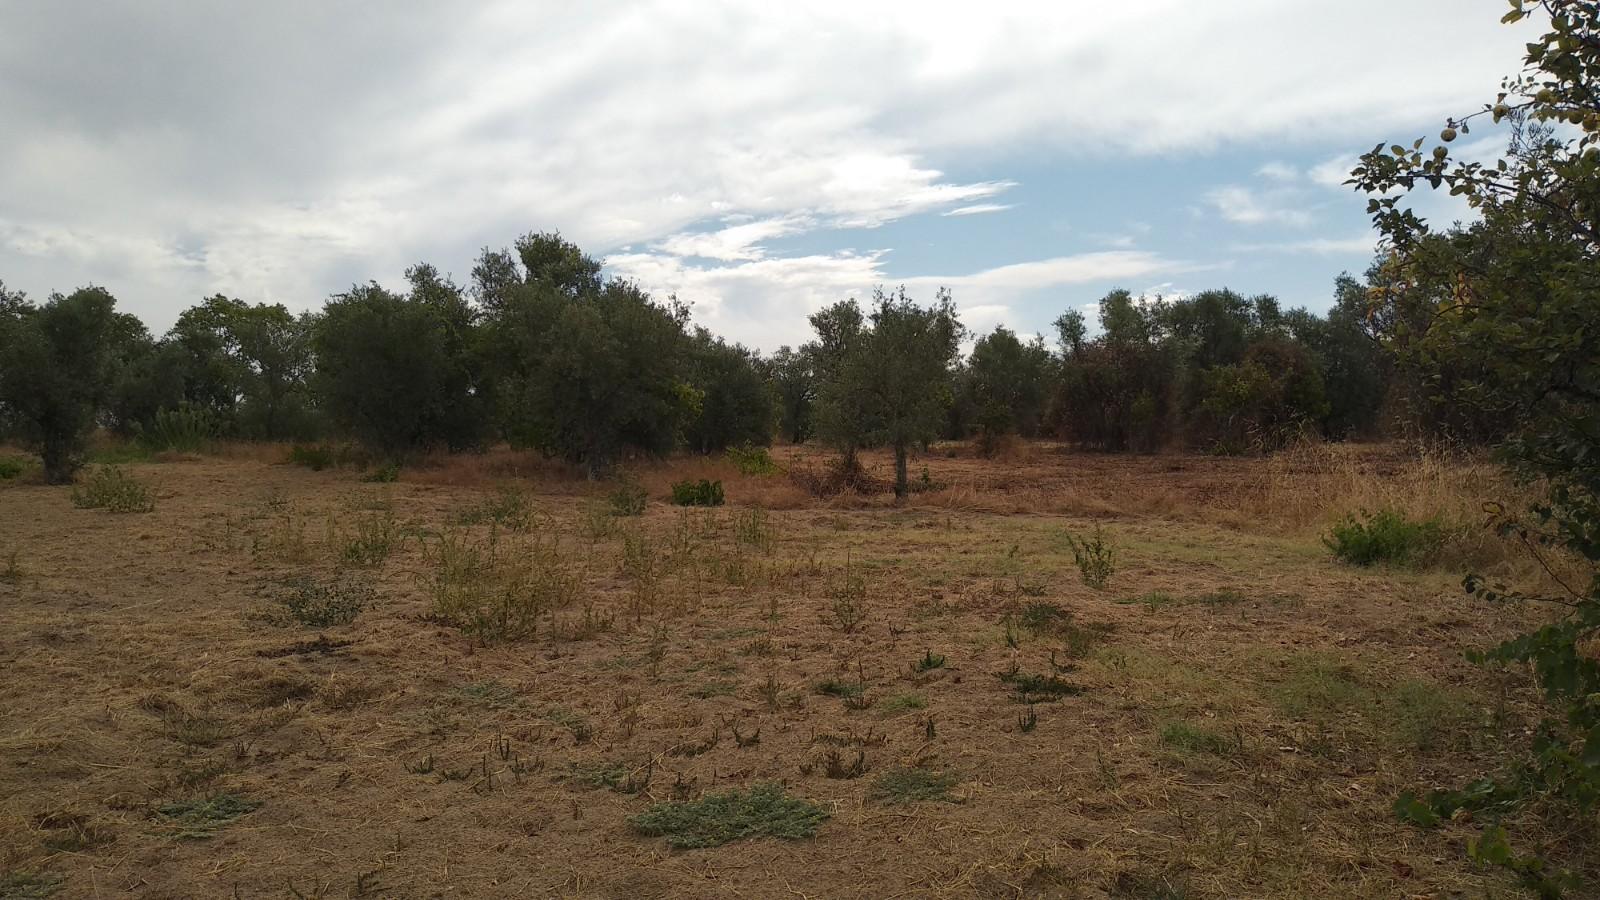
column 1238, row 712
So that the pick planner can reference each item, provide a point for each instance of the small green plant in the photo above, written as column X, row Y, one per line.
column 1186, row 738
column 508, row 509
column 929, row 661
column 184, row 429
column 913, row 786
column 388, row 473
column 754, row 527
column 323, row 604
column 29, row 885
column 750, row 459
column 833, row 687
column 717, row 819
column 375, row 537
column 498, row 589
column 848, row 596
column 201, row 817
column 628, row 498
column 1386, row 536
column 903, row 703
column 1095, row 556
column 112, row 489
column 1036, row 688
column 11, row 467
column 697, row 493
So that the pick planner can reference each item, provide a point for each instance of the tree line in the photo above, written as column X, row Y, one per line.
column 541, row 351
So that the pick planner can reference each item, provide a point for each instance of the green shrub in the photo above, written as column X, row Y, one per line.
column 752, row 460
column 629, row 498
column 384, row 474
column 10, row 467
column 321, row 604
column 697, row 493
column 1385, row 537
column 184, row 429
column 112, row 489
column 1096, row 557
column 315, row 457
column 716, row 819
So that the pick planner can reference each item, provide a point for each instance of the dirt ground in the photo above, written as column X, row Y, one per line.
column 1233, row 713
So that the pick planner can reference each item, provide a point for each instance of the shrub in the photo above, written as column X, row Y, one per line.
column 1096, row 557
column 184, row 429
column 384, row 474
column 629, row 498
column 495, row 591
column 11, row 468
column 374, row 539
column 112, row 489
column 716, row 819
column 753, row 460
column 320, row 604
column 1385, row 537
column 315, row 457
column 510, row 509
column 697, row 493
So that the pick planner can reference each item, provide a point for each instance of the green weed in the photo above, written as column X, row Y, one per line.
column 112, row 489
column 717, row 819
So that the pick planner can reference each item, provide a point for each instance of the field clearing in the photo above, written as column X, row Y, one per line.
column 1231, row 716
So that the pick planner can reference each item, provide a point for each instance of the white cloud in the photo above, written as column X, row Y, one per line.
column 1364, row 243
column 1245, row 206
column 978, row 209
column 433, row 130
column 1279, row 171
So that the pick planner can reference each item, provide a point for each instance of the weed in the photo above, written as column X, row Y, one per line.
column 1386, row 536
column 644, row 566
column 375, row 537
column 697, row 493
column 29, row 885
column 495, row 589
column 904, row 703
column 755, row 528
column 750, row 459
column 849, row 600
column 1028, row 721
column 13, row 567
column 837, row 766
column 614, row 776
column 841, row 689
column 712, row 689
column 1036, row 688
column 285, row 539
column 929, row 662
column 112, row 489
column 1188, row 738
column 388, row 473
column 322, row 604
column 201, row 817
column 599, row 523
column 913, row 786
column 628, row 498
column 1095, row 557
column 11, row 467
column 1040, row 617
column 508, row 509
column 716, row 819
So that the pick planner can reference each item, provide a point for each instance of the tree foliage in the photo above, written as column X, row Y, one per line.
column 1501, row 319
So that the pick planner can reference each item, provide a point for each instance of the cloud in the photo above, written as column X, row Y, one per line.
column 1246, row 206
column 1358, row 244
column 764, row 302
column 320, row 144
column 978, row 209
column 1279, row 171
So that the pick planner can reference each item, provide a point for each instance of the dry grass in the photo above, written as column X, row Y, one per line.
column 1243, row 737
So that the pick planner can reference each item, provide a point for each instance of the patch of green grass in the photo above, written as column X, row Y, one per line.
column 712, row 689
column 509, row 509
column 1386, row 536
column 201, row 817
column 1422, row 715
column 29, row 885
column 1317, row 688
column 836, row 688
column 119, row 454
column 903, row 703
column 913, row 786
column 112, row 489
column 717, row 819
column 491, row 693
column 1033, row 688
column 1188, row 738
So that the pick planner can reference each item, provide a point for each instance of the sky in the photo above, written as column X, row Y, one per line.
column 758, row 160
